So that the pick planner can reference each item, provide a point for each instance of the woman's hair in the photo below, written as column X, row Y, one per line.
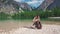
column 37, row 17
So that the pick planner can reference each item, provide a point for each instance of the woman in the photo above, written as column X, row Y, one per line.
column 36, row 22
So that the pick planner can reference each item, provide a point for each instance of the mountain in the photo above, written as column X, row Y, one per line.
column 49, row 4
column 24, row 6
column 56, row 3
column 11, row 6
column 7, row 6
column 45, row 4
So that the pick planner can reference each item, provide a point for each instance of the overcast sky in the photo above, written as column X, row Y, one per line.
column 33, row 3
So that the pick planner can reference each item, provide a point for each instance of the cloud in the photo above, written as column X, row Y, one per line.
column 18, row 0
column 32, row 3
column 22, row 0
column 27, row 0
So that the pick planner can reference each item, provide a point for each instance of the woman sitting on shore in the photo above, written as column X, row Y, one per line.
column 36, row 22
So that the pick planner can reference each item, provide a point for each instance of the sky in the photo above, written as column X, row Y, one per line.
column 32, row 3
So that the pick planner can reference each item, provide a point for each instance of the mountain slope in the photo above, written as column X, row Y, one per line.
column 7, row 6
column 45, row 4
column 56, row 3
column 11, row 6
column 24, row 6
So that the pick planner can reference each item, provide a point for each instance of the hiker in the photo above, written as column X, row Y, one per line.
column 36, row 22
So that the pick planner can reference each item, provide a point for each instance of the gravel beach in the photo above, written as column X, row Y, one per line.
column 46, row 29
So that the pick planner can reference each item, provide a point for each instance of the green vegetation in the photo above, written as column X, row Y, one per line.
column 56, row 12
column 16, row 16
column 3, row 16
column 30, row 14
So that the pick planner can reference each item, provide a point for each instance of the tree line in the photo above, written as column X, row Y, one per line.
column 30, row 14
